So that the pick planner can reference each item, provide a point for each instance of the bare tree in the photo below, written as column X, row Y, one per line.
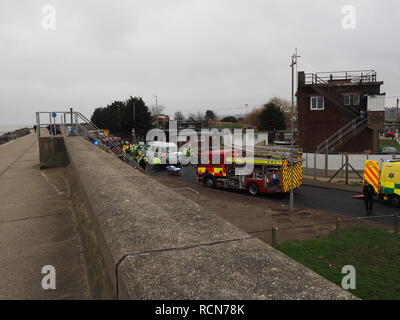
column 179, row 115
column 253, row 117
column 157, row 110
column 283, row 104
column 199, row 116
column 196, row 116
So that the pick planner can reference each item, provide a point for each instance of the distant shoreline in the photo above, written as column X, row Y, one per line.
column 8, row 136
column 11, row 128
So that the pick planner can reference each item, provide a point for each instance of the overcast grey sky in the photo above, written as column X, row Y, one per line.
column 193, row 54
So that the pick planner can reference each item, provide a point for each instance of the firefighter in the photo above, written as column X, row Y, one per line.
column 368, row 191
column 156, row 161
column 142, row 162
column 274, row 179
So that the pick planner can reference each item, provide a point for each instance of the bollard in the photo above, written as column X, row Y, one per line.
column 274, row 232
column 396, row 223
column 337, row 227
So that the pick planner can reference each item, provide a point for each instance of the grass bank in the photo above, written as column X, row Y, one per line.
column 389, row 143
column 374, row 253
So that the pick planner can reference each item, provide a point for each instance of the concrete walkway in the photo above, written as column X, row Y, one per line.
column 36, row 228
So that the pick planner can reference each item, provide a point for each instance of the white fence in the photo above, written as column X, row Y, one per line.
column 328, row 164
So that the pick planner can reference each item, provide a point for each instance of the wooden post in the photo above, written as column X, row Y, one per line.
column 326, row 164
column 347, row 169
column 274, row 236
column 337, row 227
column 342, row 164
column 315, row 166
column 307, row 163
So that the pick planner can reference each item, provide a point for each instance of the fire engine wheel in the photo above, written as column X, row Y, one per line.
column 253, row 189
column 209, row 181
column 394, row 201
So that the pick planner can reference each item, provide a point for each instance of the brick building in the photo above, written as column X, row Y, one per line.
column 339, row 111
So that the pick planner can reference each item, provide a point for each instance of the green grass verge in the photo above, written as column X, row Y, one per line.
column 374, row 253
column 389, row 143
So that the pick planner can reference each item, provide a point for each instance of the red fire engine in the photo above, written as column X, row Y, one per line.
column 271, row 174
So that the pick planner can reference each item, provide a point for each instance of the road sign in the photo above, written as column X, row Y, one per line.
column 54, row 114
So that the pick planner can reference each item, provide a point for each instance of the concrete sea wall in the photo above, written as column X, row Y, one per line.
column 142, row 240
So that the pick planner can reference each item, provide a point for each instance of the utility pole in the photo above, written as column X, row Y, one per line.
column 134, row 124
column 291, row 200
column 246, row 108
column 397, row 112
column 157, row 109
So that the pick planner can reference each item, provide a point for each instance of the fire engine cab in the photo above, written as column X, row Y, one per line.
column 272, row 171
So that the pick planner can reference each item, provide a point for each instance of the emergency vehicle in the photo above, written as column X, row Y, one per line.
column 384, row 176
column 271, row 173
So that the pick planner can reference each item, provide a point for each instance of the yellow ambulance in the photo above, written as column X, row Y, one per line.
column 385, row 178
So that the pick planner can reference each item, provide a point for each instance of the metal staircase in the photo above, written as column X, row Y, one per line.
column 344, row 134
column 78, row 125
column 86, row 128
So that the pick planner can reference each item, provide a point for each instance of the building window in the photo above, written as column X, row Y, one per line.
column 347, row 99
column 351, row 99
column 317, row 103
column 356, row 99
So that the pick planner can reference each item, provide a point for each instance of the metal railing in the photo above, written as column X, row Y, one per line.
column 73, row 123
column 338, row 225
column 339, row 135
column 357, row 76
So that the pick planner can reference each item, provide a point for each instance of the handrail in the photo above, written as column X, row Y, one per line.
column 341, row 133
column 129, row 159
column 342, row 128
column 132, row 162
column 353, row 76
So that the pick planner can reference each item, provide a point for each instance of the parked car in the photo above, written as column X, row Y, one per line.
column 389, row 134
column 388, row 150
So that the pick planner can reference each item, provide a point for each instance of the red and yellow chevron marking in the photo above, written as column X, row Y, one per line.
column 218, row 171
column 286, row 175
column 371, row 173
column 201, row 170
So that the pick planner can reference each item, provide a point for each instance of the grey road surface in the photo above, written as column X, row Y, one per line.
column 329, row 200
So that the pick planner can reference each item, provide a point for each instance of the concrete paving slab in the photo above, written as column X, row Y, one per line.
column 36, row 229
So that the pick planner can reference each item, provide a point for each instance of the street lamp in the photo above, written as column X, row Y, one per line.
column 291, row 200
column 134, row 123
column 156, row 109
